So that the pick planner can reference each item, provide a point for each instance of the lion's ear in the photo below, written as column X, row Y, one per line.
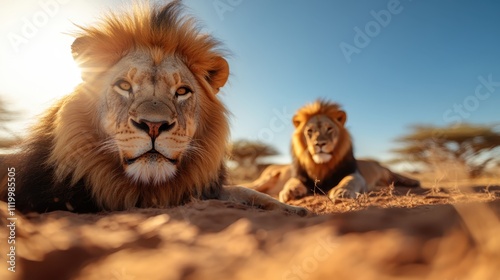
column 80, row 49
column 296, row 120
column 341, row 117
column 90, row 57
column 218, row 73
column 77, row 48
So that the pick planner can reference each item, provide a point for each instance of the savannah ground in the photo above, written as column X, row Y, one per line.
column 392, row 233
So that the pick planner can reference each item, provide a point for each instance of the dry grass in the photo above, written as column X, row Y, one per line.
column 391, row 197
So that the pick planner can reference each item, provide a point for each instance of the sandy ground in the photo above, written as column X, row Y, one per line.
column 389, row 234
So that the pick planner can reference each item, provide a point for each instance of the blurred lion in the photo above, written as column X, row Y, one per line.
column 143, row 129
column 273, row 179
column 323, row 160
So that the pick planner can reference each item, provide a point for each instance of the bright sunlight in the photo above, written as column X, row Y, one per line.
column 36, row 64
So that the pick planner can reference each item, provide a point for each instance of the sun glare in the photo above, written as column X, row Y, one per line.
column 39, row 76
column 51, row 70
column 36, row 64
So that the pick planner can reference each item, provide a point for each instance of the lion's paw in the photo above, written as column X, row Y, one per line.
column 272, row 204
column 337, row 193
column 295, row 210
column 349, row 187
column 256, row 199
column 293, row 189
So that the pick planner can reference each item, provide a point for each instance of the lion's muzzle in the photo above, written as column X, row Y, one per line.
column 153, row 129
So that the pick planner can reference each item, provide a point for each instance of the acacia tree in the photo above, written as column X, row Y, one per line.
column 472, row 145
column 246, row 153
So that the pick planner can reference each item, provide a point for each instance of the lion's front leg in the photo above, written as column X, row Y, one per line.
column 293, row 189
column 254, row 198
column 349, row 187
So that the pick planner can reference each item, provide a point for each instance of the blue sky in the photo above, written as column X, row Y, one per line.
column 432, row 62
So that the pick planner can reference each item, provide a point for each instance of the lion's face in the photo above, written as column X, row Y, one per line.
column 145, row 127
column 320, row 141
column 151, row 114
column 321, row 135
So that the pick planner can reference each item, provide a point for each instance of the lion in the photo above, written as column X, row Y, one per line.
column 323, row 160
column 143, row 129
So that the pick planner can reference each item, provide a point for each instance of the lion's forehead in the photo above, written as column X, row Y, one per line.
column 144, row 71
column 320, row 123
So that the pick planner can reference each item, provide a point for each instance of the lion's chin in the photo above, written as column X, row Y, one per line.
column 151, row 171
column 321, row 158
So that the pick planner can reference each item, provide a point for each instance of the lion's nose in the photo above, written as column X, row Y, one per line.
column 153, row 128
column 320, row 144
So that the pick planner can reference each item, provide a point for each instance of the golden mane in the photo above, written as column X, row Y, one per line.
column 161, row 31
column 70, row 147
column 299, row 147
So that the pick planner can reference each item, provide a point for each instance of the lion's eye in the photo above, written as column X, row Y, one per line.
column 329, row 130
column 123, row 85
column 309, row 132
column 183, row 91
